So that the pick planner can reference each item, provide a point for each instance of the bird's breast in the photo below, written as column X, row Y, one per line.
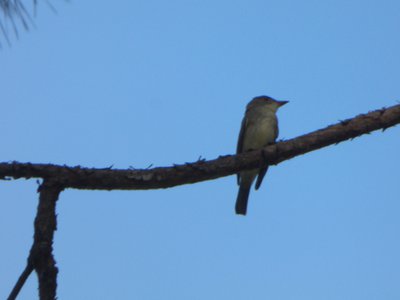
column 260, row 133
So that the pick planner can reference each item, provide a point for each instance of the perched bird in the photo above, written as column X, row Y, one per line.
column 259, row 129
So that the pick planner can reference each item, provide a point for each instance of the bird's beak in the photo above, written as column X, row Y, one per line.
column 282, row 103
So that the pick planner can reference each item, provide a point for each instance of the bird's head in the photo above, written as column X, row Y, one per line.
column 262, row 101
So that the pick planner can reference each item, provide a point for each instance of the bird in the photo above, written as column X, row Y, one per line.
column 259, row 129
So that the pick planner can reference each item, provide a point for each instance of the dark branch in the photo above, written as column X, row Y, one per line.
column 21, row 281
column 41, row 255
column 165, row 177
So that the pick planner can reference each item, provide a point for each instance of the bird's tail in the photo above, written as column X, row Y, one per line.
column 242, row 199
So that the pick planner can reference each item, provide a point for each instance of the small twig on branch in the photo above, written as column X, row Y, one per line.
column 41, row 255
column 21, row 281
column 166, row 177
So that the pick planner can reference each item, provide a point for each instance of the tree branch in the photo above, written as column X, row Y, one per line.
column 21, row 281
column 56, row 178
column 41, row 255
column 165, row 177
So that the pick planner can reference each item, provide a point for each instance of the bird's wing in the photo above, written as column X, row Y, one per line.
column 239, row 148
column 264, row 170
column 276, row 128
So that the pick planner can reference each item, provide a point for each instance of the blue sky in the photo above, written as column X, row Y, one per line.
column 134, row 83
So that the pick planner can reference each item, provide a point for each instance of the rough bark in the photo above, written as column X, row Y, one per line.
column 41, row 257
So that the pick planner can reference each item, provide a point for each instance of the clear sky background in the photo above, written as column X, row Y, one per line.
column 135, row 83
